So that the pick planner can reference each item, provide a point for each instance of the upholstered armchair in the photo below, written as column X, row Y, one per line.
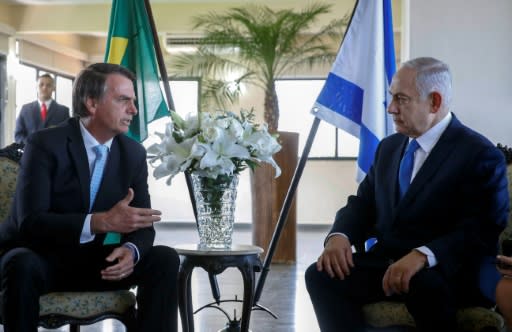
column 473, row 319
column 62, row 308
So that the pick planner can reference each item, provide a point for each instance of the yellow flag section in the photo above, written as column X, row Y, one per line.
column 130, row 44
column 117, row 49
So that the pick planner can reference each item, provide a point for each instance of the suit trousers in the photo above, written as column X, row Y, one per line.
column 338, row 303
column 25, row 275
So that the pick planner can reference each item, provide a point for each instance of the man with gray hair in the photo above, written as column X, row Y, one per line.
column 435, row 199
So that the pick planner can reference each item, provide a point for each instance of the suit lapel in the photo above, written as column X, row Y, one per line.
column 50, row 113
column 439, row 155
column 36, row 116
column 76, row 149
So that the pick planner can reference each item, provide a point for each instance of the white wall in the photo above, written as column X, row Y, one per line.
column 323, row 189
column 474, row 38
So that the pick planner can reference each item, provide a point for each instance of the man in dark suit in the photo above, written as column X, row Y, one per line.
column 432, row 235
column 42, row 113
column 60, row 237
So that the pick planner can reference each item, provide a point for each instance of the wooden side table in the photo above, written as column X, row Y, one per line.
column 214, row 261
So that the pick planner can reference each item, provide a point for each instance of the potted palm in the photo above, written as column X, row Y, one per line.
column 255, row 45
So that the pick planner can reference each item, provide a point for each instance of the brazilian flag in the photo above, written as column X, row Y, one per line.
column 130, row 44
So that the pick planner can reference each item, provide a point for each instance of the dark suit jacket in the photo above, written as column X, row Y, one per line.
column 456, row 205
column 29, row 119
column 52, row 194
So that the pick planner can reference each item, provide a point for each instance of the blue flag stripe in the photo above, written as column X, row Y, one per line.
column 342, row 97
column 369, row 142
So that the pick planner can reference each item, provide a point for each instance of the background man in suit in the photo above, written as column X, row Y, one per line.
column 427, row 234
column 59, row 234
column 42, row 113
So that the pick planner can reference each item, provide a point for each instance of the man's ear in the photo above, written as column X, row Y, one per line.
column 435, row 101
column 91, row 104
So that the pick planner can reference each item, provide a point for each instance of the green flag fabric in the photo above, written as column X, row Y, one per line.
column 130, row 44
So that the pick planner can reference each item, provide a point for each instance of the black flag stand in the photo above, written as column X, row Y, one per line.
column 290, row 194
column 289, row 197
column 163, row 73
column 285, row 209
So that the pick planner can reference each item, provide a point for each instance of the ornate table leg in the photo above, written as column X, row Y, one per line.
column 247, row 271
column 185, row 296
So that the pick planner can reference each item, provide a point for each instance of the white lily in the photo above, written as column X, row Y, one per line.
column 175, row 156
column 221, row 152
column 212, row 144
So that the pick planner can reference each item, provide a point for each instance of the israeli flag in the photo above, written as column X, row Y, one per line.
column 356, row 93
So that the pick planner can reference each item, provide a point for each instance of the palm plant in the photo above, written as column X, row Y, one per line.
column 256, row 45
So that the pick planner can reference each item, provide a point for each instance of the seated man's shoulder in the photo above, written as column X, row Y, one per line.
column 475, row 143
column 130, row 144
column 52, row 135
column 62, row 107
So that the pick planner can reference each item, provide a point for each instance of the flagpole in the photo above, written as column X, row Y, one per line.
column 290, row 195
column 285, row 210
column 167, row 89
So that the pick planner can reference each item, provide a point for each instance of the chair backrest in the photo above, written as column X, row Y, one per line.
column 507, row 233
column 9, row 165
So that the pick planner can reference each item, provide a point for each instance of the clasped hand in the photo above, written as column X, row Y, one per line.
column 123, row 218
column 398, row 275
column 337, row 261
column 121, row 260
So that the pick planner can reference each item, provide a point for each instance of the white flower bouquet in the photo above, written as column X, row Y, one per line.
column 212, row 145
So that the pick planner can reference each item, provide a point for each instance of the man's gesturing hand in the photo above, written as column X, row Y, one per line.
column 123, row 218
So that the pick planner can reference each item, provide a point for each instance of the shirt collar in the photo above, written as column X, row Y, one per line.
column 89, row 141
column 47, row 102
column 428, row 140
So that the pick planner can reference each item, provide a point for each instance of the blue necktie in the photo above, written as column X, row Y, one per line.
column 406, row 166
column 97, row 174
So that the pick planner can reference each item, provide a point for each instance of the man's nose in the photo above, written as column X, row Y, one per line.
column 133, row 108
column 392, row 107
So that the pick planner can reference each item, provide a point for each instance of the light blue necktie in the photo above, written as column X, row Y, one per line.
column 406, row 166
column 97, row 174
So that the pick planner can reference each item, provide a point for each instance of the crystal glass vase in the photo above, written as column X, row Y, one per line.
column 215, row 204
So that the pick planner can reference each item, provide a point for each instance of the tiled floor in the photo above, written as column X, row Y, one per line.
column 284, row 291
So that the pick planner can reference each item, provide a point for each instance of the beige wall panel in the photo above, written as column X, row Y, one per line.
column 177, row 18
column 48, row 59
column 67, row 65
column 9, row 14
column 4, row 43
column 35, row 54
column 65, row 19
column 66, row 39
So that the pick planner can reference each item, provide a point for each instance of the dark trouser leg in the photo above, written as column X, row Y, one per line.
column 157, row 297
column 338, row 303
column 23, row 280
column 431, row 301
